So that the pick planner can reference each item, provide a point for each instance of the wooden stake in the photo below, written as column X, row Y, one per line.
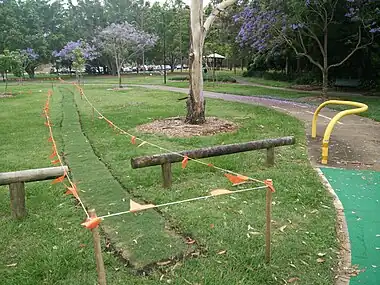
column 98, row 253
column 17, row 194
column 167, row 174
column 268, row 225
column 270, row 156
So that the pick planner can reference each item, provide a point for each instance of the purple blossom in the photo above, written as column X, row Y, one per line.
column 29, row 54
column 257, row 26
column 67, row 53
column 124, row 40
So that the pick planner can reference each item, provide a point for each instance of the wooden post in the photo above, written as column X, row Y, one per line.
column 17, row 194
column 167, row 174
column 268, row 225
column 98, row 253
column 270, row 156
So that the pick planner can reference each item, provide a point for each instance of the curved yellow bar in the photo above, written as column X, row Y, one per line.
column 325, row 144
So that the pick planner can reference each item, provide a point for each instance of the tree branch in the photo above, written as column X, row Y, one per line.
column 304, row 53
column 314, row 36
column 333, row 8
column 215, row 12
column 357, row 47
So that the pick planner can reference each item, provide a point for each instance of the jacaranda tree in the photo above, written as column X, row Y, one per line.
column 29, row 59
column 298, row 23
column 122, row 42
column 75, row 55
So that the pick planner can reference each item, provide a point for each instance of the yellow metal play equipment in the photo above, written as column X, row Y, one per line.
column 326, row 137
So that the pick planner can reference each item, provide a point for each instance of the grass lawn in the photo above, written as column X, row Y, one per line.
column 234, row 88
column 50, row 247
column 262, row 81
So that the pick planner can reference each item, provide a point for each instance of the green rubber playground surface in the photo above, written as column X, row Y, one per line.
column 359, row 192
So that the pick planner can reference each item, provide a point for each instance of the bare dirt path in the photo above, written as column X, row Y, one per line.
column 354, row 143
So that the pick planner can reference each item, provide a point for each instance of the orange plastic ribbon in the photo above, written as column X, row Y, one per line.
column 53, row 154
column 269, row 183
column 72, row 190
column 133, row 140
column 50, row 139
column 56, row 161
column 236, row 179
column 59, row 179
column 92, row 223
column 185, row 161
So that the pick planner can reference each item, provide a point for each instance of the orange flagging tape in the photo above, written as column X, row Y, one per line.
column 185, row 161
column 236, row 179
column 53, row 154
column 269, row 183
column 72, row 190
column 92, row 223
column 59, row 179
column 133, row 140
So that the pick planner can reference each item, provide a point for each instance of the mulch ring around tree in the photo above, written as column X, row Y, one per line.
column 176, row 127
column 119, row 88
column 6, row 95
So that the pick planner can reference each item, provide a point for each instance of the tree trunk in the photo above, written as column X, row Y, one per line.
column 298, row 69
column 30, row 72
column 6, row 82
column 196, row 102
column 325, row 75
column 286, row 65
column 172, row 62
column 119, row 77
column 325, row 82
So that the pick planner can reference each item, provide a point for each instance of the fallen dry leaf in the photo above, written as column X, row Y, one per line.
column 12, row 265
column 222, row 252
column 320, row 260
column 162, row 263
column 293, row 279
column 282, row 228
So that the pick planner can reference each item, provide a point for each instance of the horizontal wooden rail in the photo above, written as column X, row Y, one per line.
column 166, row 159
column 31, row 175
column 159, row 159
column 16, row 181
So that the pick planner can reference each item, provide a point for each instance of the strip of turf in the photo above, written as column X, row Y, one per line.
column 143, row 240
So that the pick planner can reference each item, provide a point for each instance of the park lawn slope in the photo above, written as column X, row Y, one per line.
column 100, row 190
column 49, row 246
column 245, row 90
column 232, row 224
